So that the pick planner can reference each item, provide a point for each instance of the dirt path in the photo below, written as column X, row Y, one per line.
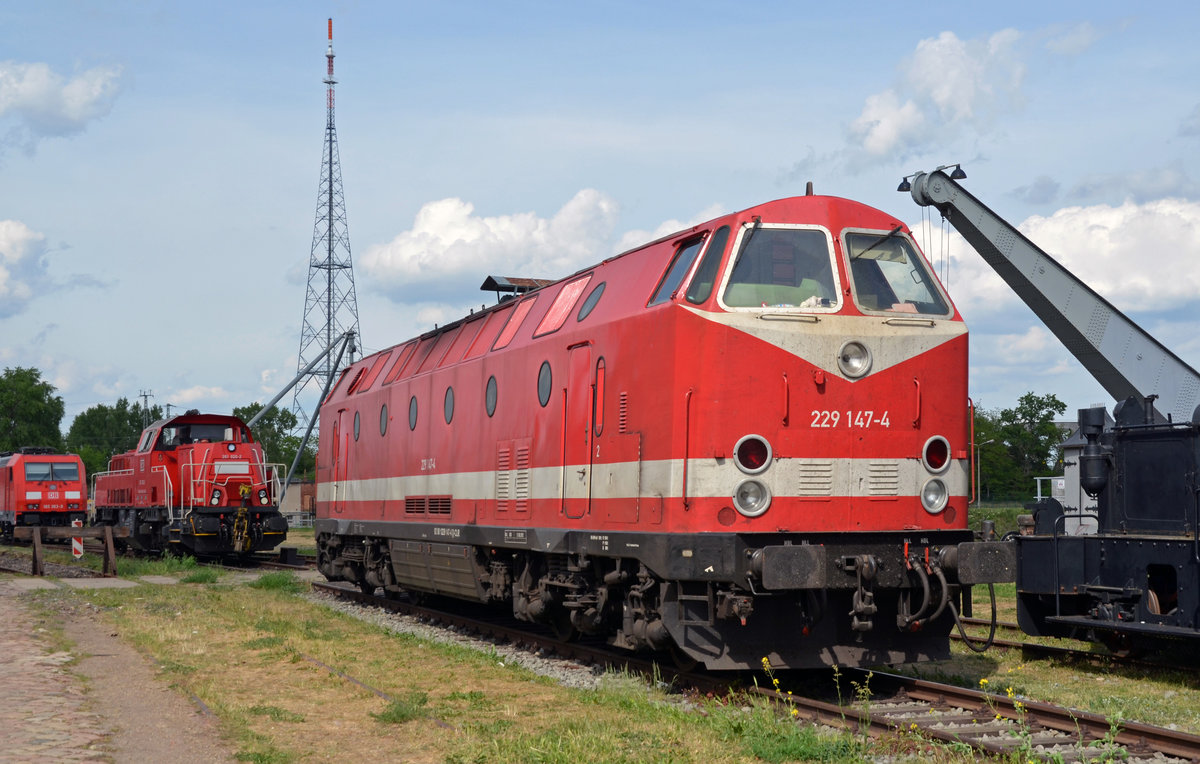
column 150, row 721
column 120, row 696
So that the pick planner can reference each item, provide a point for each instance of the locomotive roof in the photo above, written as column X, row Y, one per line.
column 198, row 419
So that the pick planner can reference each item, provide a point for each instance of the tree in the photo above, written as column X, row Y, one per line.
column 30, row 412
column 1018, row 444
column 101, row 431
column 274, row 431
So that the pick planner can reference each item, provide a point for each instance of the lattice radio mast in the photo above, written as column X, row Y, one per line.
column 330, row 305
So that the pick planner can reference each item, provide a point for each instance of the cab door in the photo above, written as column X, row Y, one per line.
column 577, row 432
column 341, row 455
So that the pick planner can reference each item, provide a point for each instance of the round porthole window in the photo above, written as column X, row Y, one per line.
column 545, row 382
column 489, row 398
column 448, row 405
column 412, row 413
column 383, row 420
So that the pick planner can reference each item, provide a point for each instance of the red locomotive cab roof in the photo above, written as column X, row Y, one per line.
column 809, row 254
column 44, row 464
column 168, row 434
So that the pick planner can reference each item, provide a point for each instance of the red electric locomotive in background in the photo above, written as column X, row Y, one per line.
column 39, row 486
column 748, row 439
column 195, row 484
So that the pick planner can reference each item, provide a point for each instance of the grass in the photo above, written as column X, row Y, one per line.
column 406, row 709
column 243, row 649
column 1004, row 514
column 279, row 581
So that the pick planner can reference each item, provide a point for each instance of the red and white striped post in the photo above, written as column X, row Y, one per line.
column 76, row 541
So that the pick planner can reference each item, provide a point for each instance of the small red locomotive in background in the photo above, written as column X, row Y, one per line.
column 746, row 440
column 195, row 484
column 39, row 486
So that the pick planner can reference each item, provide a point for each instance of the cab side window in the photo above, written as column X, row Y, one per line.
column 680, row 265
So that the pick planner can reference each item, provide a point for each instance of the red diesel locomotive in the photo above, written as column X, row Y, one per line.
column 195, row 484
column 745, row 440
column 39, row 486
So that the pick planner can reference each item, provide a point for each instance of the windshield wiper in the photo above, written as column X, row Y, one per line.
column 877, row 242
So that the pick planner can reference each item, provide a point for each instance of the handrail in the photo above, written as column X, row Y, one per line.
column 168, row 489
column 687, row 431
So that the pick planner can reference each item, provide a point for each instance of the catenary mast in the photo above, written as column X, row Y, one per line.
column 330, row 305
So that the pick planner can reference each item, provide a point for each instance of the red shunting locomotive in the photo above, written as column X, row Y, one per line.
column 748, row 439
column 39, row 486
column 195, row 484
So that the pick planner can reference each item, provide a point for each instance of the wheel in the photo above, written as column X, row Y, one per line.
column 367, row 589
column 681, row 660
column 1120, row 645
column 562, row 628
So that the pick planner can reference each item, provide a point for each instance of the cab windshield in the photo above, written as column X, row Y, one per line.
column 184, row 434
column 888, row 274
column 782, row 267
column 51, row 471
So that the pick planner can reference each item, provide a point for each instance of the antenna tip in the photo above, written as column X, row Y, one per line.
column 331, row 30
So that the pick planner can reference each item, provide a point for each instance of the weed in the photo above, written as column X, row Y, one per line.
column 401, row 710
column 270, row 756
column 202, row 576
column 862, row 692
column 275, row 713
column 473, row 698
column 263, row 642
column 279, row 581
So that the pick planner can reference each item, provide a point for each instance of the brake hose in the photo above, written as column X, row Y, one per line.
column 991, row 633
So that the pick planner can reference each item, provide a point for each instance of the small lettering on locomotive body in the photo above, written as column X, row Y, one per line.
column 515, row 536
column 450, row 532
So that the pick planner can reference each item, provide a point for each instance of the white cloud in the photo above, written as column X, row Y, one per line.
column 1140, row 257
column 42, row 102
column 449, row 245
column 22, row 266
column 195, row 393
column 636, row 237
column 948, row 83
column 885, row 123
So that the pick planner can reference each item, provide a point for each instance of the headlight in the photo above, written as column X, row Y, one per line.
column 752, row 454
column 934, row 496
column 854, row 359
column 936, row 454
column 751, row 497
column 216, row 497
column 231, row 447
column 262, row 496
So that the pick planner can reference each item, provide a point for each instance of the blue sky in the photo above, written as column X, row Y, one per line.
column 160, row 162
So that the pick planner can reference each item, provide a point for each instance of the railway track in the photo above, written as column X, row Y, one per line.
column 1075, row 650
column 882, row 704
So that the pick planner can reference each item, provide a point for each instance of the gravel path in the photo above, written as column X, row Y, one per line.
column 566, row 672
column 24, row 562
